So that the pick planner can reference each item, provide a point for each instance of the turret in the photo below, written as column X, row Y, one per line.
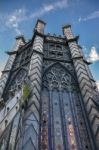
column 39, row 27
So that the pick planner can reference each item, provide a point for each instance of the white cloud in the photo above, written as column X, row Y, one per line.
column 15, row 18
column 97, row 83
column 42, row 11
column 93, row 56
column 91, row 16
column 0, row 74
column 79, row 19
column 85, row 52
column 49, row 7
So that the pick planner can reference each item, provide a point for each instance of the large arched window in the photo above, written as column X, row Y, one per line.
column 15, row 83
column 61, row 111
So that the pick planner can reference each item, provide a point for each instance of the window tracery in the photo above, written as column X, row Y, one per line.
column 58, row 78
column 22, row 58
column 18, row 72
column 63, row 108
column 15, row 84
column 56, row 51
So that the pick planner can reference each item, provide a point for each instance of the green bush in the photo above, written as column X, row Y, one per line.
column 26, row 92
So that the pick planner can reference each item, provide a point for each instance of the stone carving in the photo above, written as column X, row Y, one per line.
column 55, row 39
column 96, row 99
column 56, row 51
column 15, row 84
column 57, row 77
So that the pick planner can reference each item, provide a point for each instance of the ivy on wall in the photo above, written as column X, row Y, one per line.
column 24, row 98
column 26, row 92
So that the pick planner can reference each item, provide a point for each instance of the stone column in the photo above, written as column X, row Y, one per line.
column 35, row 76
column 19, row 42
column 91, row 103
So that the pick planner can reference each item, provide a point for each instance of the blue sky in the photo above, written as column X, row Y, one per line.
column 19, row 17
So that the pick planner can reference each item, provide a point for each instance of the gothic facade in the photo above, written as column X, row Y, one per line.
column 48, row 97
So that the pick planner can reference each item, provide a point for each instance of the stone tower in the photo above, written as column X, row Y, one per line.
column 48, row 97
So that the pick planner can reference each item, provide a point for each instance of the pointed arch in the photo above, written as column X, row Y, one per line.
column 58, row 63
column 17, row 78
column 18, row 71
column 58, row 76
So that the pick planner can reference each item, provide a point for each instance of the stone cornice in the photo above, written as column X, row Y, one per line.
column 5, row 71
column 39, row 20
column 66, row 26
column 80, row 57
column 21, row 37
column 19, row 50
column 58, row 60
column 11, row 52
column 88, row 63
column 76, row 38
column 36, row 51
column 55, row 39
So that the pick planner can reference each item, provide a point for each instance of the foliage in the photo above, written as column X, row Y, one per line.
column 10, row 146
column 26, row 92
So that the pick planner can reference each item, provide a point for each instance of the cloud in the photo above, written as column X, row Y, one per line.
column 49, row 7
column 97, row 83
column 42, row 11
column 93, row 56
column 14, row 19
column 85, row 51
column 79, row 19
column 0, row 74
column 91, row 16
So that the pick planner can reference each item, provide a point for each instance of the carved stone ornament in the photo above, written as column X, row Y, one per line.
column 58, row 77
column 55, row 39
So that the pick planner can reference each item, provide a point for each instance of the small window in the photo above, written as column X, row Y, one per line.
column 16, row 107
column 8, row 109
column 81, row 123
column 6, row 121
column 86, row 146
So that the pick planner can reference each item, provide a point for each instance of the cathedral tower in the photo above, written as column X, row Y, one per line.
column 48, row 97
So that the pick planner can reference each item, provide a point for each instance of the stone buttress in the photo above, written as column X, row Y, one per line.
column 88, row 92
column 31, row 130
column 19, row 42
